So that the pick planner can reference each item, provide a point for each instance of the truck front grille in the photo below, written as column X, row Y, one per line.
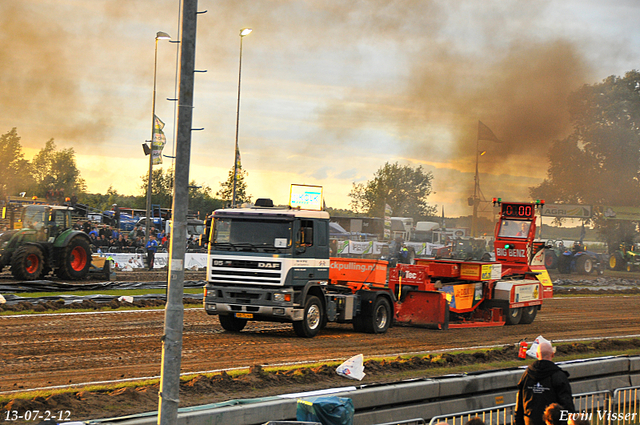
column 252, row 272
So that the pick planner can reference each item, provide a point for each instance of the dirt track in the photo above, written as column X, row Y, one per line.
column 51, row 350
column 65, row 349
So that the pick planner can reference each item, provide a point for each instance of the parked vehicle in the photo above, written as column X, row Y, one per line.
column 554, row 249
column 626, row 258
column 42, row 239
column 581, row 261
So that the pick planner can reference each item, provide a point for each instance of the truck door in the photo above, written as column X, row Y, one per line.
column 311, row 250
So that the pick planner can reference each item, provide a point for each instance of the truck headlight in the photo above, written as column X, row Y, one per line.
column 281, row 297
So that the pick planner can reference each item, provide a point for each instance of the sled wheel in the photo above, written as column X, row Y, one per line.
column 513, row 316
column 528, row 315
column 27, row 263
column 313, row 318
column 231, row 323
column 75, row 260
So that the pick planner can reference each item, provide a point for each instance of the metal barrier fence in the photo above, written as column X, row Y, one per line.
column 618, row 407
column 417, row 421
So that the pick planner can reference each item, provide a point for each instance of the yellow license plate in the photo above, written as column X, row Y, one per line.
column 244, row 315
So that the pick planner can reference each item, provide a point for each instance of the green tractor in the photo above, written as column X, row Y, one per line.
column 626, row 258
column 42, row 240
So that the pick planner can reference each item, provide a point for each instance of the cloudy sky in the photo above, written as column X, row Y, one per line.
column 331, row 90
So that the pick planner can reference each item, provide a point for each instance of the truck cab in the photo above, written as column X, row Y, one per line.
column 265, row 263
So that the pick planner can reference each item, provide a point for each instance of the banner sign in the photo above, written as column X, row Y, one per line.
column 621, row 213
column 306, row 197
column 127, row 262
column 566, row 210
column 422, row 249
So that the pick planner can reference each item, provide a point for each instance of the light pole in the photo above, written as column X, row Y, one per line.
column 159, row 36
column 243, row 32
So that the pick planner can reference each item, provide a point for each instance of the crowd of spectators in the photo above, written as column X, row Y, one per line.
column 108, row 238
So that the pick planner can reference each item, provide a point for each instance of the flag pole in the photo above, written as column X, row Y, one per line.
column 476, row 183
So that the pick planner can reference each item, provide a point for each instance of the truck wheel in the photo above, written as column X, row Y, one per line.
column 528, row 315
column 513, row 316
column 486, row 257
column 584, row 265
column 75, row 260
column 231, row 323
column 27, row 263
column 312, row 321
column 380, row 318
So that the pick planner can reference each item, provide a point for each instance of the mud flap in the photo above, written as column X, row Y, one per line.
column 424, row 308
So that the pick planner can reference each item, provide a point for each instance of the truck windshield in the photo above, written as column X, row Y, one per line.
column 514, row 228
column 252, row 234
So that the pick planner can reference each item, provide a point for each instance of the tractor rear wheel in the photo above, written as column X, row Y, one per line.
column 564, row 264
column 27, row 263
column 616, row 262
column 75, row 260
column 584, row 264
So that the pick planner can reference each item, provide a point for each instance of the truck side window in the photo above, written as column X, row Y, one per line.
column 305, row 235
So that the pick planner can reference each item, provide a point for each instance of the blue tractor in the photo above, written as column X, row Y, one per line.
column 580, row 261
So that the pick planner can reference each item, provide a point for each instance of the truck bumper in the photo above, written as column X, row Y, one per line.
column 254, row 312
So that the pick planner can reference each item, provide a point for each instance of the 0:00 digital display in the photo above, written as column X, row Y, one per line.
column 517, row 210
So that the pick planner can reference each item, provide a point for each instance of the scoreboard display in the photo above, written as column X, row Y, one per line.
column 516, row 210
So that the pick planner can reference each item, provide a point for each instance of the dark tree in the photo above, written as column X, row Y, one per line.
column 403, row 188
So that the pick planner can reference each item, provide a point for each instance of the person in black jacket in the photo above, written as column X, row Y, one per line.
column 541, row 384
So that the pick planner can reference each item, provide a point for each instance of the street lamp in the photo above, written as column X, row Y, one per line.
column 159, row 36
column 243, row 32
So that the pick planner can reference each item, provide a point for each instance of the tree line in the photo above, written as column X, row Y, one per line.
column 53, row 173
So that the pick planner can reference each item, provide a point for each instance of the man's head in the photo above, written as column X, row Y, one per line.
column 545, row 351
column 552, row 414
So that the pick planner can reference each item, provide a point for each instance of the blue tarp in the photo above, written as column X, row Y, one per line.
column 328, row 410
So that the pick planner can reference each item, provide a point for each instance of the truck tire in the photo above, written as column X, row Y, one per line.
column 513, row 316
column 312, row 320
column 75, row 260
column 528, row 315
column 380, row 319
column 27, row 263
column 231, row 323
column 584, row 264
